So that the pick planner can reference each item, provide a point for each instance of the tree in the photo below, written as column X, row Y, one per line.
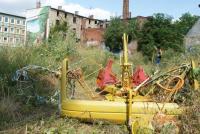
column 160, row 31
column 185, row 23
column 133, row 29
column 113, row 34
column 59, row 30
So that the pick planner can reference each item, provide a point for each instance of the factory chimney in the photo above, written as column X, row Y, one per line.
column 126, row 13
column 38, row 4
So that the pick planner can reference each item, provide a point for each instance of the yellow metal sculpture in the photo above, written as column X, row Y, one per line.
column 128, row 108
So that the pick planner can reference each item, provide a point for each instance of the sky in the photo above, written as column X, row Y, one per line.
column 103, row 9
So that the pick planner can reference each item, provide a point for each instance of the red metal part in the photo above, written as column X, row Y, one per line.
column 139, row 76
column 106, row 76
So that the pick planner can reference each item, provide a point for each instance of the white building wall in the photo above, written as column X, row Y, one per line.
column 12, row 30
column 78, row 26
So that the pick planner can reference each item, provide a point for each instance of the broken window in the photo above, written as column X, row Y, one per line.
column 96, row 22
column 74, row 19
column 65, row 15
column 57, row 22
column 89, row 21
column 5, row 29
column 58, row 13
column 5, row 39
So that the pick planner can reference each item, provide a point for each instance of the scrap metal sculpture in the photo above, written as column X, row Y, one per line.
column 124, row 102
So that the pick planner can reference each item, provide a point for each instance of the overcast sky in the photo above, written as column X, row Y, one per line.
column 103, row 9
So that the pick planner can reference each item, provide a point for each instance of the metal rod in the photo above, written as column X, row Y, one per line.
column 64, row 80
column 130, row 109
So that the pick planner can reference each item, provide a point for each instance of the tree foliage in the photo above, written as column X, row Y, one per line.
column 113, row 34
column 59, row 30
column 158, row 30
column 185, row 22
column 133, row 29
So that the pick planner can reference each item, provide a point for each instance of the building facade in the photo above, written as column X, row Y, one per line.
column 88, row 30
column 193, row 36
column 76, row 22
column 12, row 29
column 93, row 37
column 52, row 16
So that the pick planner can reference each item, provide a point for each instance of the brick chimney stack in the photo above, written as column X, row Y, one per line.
column 38, row 4
column 126, row 13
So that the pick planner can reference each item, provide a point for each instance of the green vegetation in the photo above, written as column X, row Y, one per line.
column 18, row 113
column 26, row 106
column 185, row 22
column 158, row 30
column 59, row 30
column 19, row 101
column 113, row 34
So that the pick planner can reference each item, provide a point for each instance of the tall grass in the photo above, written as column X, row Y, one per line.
column 48, row 55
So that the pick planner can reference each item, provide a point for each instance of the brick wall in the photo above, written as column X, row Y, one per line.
column 93, row 36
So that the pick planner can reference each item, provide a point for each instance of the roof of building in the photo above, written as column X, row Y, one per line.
column 9, row 14
column 137, row 17
column 76, row 14
column 195, row 30
column 61, row 10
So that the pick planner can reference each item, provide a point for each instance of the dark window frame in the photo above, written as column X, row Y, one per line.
column 6, row 18
column 5, row 29
column 12, row 21
column 57, row 22
column 74, row 19
column 58, row 12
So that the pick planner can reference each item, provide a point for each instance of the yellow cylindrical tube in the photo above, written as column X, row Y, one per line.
column 130, row 101
column 64, row 80
column 195, row 81
column 125, row 38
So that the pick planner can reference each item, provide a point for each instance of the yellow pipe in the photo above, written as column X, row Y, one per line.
column 125, row 38
column 130, row 107
column 195, row 82
column 64, row 80
column 126, row 81
column 116, row 111
column 126, row 75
